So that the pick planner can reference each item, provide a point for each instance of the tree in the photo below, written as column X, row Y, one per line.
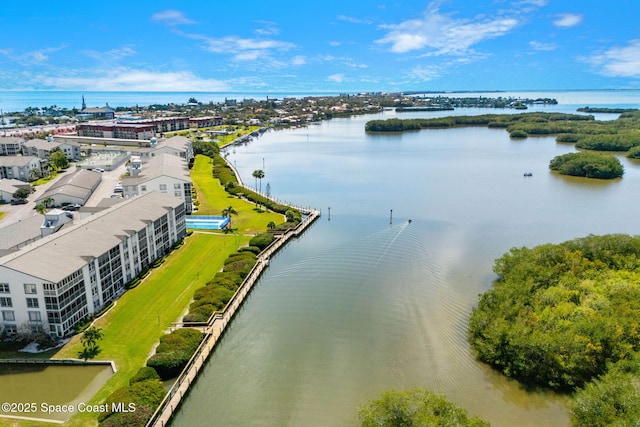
column 21, row 193
column 258, row 174
column 271, row 225
column 59, row 160
column 41, row 208
column 36, row 173
column 89, row 340
column 47, row 202
column 229, row 211
column 416, row 407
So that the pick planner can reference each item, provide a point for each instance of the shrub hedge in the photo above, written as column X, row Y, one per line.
column 174, row 351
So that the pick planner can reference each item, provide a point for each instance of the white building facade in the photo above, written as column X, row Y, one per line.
column 61, row 279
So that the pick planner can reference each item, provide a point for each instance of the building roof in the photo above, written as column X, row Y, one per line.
column 162, row 164
column 10, row 161
column 8, row 185
column 16, row 234
column 78, row 184
column 180, row 143
column 11, row 140
column 58, row 255
column 41, row 144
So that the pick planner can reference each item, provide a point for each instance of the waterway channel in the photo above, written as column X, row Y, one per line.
column 366, row 301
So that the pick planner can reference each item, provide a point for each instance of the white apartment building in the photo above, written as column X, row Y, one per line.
column 20, row 167
column 10, row 146
column 166, row 173
column 62, row 278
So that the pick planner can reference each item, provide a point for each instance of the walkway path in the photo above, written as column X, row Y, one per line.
column 217, row 324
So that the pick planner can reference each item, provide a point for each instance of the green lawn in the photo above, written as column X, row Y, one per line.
column 213, row 199
column 134, row 325
column 144, row 313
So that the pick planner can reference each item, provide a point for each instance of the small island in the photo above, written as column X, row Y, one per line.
column 588, row 165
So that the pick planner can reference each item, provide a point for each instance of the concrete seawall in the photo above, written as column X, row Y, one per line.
column 217, row 324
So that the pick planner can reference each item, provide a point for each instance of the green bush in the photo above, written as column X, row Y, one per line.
column 168, row 365
column 174, row 351
column 588, row 164
column 634, row 153
column 416, row 407
column 262, row 240
column 253, row 249
column 143, row 374
column 518, row 133
column 240, row 256
column 199, row 315
column 146, row 395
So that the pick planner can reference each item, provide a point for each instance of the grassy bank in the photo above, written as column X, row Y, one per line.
column 213, row 199
column 142, row 314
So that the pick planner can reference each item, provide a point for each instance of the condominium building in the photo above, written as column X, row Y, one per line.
column 166, row 173
column 23, row 168
column 62, row 278
column 10, row 146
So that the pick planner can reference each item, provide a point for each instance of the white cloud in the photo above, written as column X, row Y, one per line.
column 116, row 53
column 444, row 34
column 354, row 20
column 171, row 18
column 125, row 79
column 566, row 20
column 425, row 73
column 336, row 78
column 542, row 46
column 269, row 28
column 298, row 60
column 619, row 61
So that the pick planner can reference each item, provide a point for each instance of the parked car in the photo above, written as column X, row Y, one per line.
column 19, row 202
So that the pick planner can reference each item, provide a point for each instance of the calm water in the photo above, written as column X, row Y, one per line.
column 50, row 385
column 358, row 305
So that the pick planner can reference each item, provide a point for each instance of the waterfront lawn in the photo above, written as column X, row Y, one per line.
column 140, row 317
column 214, row 199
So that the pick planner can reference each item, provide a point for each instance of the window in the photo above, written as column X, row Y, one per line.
column 32, row 302
column 177, row 194
column 5, row 302
column 34, row 316
column 10, row 329
column 8, row 315
column 4, row 288
column 163, row 187
column 29, row 288
column 176, row 186
column 143, row 188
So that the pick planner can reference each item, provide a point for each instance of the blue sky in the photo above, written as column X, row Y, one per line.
column 348, row 45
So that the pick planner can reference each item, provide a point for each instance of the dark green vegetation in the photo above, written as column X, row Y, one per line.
column 144, row 393
column 588, row 164
column 606, row 110
column 560, row 316
column 174, row 351
column 621, row 135
column 220, row 289
column 415, row 408
column 611, row 400
column 530, row 123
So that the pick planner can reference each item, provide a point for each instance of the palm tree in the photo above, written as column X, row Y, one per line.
column 229, row 211
column 41, row 208
column 258, row 174
column 47, row 202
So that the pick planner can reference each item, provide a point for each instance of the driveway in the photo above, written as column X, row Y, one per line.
column 105, row 189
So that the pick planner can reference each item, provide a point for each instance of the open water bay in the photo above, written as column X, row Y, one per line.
column 359, row 305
